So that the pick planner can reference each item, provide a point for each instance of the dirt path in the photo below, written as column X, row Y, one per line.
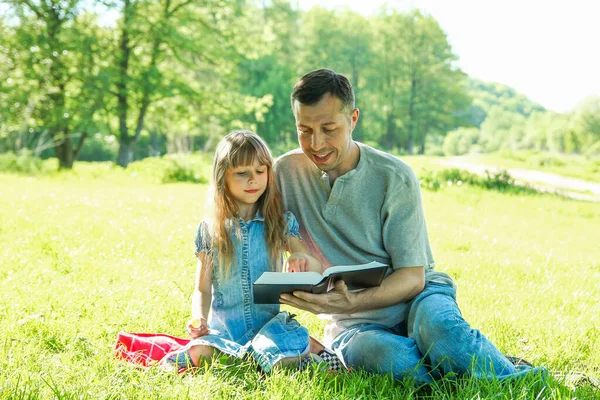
column 542, row 181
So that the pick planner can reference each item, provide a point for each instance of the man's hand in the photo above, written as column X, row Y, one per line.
column 200, row 328
column 297, row 262
column 337, row 301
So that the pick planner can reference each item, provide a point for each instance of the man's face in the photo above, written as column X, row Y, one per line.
column 325, row 134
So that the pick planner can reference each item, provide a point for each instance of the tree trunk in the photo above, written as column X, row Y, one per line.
column 64, row 153
column 154, row 145
column 422, row 139
column 389, row 132
column 411, row 115
column 125, row 155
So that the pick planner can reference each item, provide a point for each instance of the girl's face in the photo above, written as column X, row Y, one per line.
column 247, row 183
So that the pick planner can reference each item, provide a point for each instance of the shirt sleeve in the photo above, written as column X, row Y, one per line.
column 202, row 240
column 404, row 233
column 292, row 227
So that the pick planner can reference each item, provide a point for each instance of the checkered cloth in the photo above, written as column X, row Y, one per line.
column 332, row 361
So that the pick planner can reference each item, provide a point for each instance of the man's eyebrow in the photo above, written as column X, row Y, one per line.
column 324, row 123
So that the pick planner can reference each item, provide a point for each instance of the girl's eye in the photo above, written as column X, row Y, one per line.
column 261, row 171
column 241, row 173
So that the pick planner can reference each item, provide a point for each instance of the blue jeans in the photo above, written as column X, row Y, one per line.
column 433, row 341
column 280, row 338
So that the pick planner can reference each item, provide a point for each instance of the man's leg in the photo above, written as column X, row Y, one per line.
column 448, row 341
column 377, row 349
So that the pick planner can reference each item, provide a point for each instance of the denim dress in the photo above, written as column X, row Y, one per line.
column 237, row 325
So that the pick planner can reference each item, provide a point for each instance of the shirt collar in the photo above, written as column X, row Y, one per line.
column 258, row 217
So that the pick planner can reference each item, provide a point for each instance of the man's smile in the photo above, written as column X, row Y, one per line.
column 322, row 158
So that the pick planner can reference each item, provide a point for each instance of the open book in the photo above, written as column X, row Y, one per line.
column 270, row 285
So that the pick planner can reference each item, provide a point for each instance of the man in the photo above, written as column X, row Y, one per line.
column 355, row 205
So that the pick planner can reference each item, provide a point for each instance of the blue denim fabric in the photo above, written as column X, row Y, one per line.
column 435, row 341
column 237, row 325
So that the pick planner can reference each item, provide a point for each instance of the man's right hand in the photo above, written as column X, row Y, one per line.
column 200, row 329
column 400, row 286
column 336, row 301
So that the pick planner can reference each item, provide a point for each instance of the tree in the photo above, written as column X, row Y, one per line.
column 273, row 73
column 57, row 75
column 586, row 121
column 502, row 130
column 340, row 40
column 421, row 88
column 460, row 141
column 486, row 95
column 170, row 49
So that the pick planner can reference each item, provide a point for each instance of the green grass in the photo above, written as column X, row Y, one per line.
column 574, row 166
column 90, row 253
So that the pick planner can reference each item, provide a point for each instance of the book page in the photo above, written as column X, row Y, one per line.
column 349, row 268
column 287, row 278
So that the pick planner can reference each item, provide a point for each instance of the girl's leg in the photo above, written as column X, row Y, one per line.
column 281, row 341
column 317, row 354
column 200, row 353
column 189, row 357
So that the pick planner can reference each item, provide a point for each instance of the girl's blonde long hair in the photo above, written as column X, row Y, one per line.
column 242, row 148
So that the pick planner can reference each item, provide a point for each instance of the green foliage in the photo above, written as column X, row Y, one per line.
column 501, row 130
column 569, row 165
column 413, row 90
column 99, row 148
column 593, row 152
column 545, row 160
column 586, row 121
column 173, row 76
column 23, row 163
column 170, row 169
column 500, row 181
column 460, row 141
column 488, row 95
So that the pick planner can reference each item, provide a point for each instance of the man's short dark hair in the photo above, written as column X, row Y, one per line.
column 311, row 88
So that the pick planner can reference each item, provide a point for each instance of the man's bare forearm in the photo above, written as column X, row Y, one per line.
column 399, row 287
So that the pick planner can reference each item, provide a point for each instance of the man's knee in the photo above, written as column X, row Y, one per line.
column 438, row 319
column 382, row 352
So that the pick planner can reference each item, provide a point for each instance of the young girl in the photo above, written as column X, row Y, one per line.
column 246, row 235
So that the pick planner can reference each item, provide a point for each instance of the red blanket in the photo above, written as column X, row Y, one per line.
column 146, row 348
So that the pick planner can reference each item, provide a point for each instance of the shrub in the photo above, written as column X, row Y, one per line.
column 170, row 168
column 500, row 181
column 24, row 162
column 182, row 170
column 99, row 148
column 460, row 141
column 594, row 151
column 545, row 160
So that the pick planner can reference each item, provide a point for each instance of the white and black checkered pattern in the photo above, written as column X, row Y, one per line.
column 335, row 364
column 325, row 358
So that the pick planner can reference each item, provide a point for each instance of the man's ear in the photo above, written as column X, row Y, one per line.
column 354, row 118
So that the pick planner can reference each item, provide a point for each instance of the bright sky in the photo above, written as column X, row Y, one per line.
column 548, row 50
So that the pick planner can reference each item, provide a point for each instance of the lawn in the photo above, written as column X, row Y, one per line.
column 569, row 165
column 89, row 253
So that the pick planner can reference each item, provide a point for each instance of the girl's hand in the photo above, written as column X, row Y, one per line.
column 297, row 262
column 200, row 329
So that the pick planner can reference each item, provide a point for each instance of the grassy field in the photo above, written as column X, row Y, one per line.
column 574, row 166
column 89, row 253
